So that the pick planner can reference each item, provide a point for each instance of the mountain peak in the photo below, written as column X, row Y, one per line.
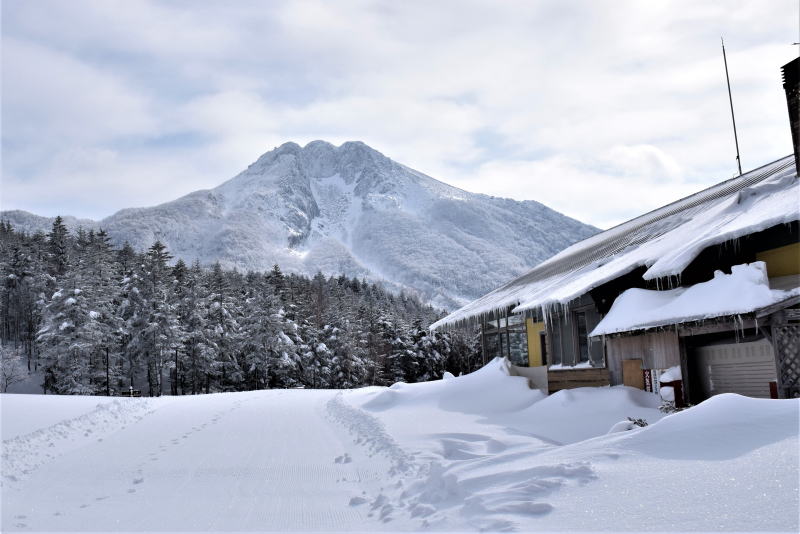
column 350, row 209
column 320, row 159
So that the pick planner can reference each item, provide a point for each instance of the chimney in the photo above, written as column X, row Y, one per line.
column 791, row 84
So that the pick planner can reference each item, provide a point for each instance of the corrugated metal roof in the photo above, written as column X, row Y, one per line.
column 551, row 276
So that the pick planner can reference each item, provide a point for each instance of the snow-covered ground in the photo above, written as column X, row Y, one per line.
column 475, row 452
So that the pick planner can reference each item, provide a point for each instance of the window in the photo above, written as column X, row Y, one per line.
column 518, row 348
column 506, row 337
column 492, row 342
column 555, row 343
column 582, row 340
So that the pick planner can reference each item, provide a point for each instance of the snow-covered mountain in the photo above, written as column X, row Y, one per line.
column 351, row 210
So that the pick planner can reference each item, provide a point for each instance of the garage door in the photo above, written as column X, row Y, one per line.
column 743, row 368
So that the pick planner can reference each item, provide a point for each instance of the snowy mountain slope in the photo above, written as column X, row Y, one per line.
column 351, row 210
column 32, row 223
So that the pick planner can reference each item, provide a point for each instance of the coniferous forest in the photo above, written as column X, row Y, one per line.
column 82, row 316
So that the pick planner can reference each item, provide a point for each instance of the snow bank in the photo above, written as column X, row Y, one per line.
column 23, row 414
column 573, row 415
column 745, row 290
column 573, row 460
column 497, row 398
column 723, row 427
column 26, row 451
column 487, row 391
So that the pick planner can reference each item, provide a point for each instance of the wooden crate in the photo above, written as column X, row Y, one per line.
column 578, row 378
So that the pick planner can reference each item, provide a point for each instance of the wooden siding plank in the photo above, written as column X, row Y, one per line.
column 632, row 373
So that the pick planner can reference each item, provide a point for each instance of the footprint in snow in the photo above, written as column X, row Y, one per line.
column 138, row 480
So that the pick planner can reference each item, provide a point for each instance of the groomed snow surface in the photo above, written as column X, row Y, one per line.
column 478, row 452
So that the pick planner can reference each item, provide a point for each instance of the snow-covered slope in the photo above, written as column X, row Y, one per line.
column 23, row 220
column 351, row 210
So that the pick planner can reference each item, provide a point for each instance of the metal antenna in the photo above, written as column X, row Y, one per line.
column 730, row 98
column 798, row 28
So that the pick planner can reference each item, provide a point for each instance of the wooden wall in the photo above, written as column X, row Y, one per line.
column 657, row 350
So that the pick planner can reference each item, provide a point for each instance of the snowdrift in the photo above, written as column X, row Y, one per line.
column 723, row 427
column 573, row 415
column 482, row 452
column 489, row 390
column 495, row 396
column 23, row 414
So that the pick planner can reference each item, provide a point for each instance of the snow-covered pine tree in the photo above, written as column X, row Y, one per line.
column 430, row 352
column 221, row 330
column 58, row 247
column 68, row 338
column 192, row 313
column 151, row 321
column 211, row 330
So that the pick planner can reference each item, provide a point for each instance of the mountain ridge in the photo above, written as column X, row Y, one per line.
column 347, row 210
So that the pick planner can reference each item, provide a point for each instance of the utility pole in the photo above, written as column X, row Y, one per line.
column 730, row 98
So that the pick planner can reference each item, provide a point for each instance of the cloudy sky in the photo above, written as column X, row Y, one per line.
column 599, row 109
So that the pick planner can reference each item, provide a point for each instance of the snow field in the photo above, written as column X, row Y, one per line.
column 478, row 452
column 251, row 461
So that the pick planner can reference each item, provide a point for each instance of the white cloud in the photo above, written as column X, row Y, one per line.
column 622, row 183
column 602, row 110
column 51, row 96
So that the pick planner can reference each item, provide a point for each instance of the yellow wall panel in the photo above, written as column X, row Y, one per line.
column 534, row 343
column 781, row 261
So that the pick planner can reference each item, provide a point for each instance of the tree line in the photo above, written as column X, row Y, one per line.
column 86, row 317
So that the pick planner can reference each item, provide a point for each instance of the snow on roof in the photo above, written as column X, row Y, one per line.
column 665, row 241
column 745, row 290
